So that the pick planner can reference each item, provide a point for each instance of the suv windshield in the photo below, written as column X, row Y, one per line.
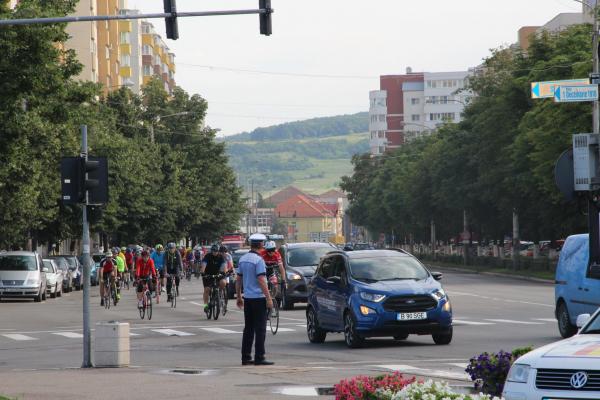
column 72, row 263
column 387, row 269
column 17, row 263
column 308, row 256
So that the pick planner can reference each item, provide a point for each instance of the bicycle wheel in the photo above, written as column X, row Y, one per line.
column 209, row 310
column 142, row 309
column 274, row 317
column 225, row 298
column 107, row 297
column 173, row 296
column 217, row 303
column 149, row 307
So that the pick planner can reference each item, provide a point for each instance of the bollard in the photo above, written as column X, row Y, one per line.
column 111, row 344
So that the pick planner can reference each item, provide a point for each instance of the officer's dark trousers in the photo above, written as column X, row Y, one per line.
column 255, row 329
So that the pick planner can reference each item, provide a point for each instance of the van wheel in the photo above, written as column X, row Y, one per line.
column 351, row 337
column 53, row 293
column 443, row 338
column 315, row 333
column 38, row 298
column 565, row 327
column 59, row 293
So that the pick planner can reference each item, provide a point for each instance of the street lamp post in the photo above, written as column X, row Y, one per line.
column 159, row 117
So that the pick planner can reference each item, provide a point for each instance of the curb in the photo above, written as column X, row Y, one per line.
column 498, row 274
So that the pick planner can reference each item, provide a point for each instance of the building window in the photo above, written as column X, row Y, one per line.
column 381, row 134
column 146, row 29
column 382, row 118
column 146, row 50
column 416, row 117
column 381, row 149
column 147, row 70
column 107, row 52
column 125, row 37
column 125, row 60
column 442, row 116
column 414, row 101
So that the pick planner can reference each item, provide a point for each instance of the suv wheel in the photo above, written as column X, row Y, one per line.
column 565, row 327
column 54, row 292
column 314, row 332
column 38, row 298
column 352, row 338
column 443, row 337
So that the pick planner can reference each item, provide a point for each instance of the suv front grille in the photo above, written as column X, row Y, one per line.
column 560, row 379
column 12, row 283
column 410, row 303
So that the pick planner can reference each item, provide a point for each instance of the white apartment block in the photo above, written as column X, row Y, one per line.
column 377, row 121
column 84, row 40
column 445, row 97
column 414, row 115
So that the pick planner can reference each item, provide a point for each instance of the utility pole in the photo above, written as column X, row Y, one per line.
column 87, row 338
column 465, row 240
column 151, row 130
column 516, row 241
column 433, row 239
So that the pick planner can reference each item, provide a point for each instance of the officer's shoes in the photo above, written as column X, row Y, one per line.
column 263, row 362
column 247, row 362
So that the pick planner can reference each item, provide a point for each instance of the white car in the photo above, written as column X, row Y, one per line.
column 564, row 370
column 54, row 278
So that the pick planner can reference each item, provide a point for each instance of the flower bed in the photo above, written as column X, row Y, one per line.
column 431, row 390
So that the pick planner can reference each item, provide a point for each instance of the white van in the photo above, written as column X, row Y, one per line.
column 22, row 275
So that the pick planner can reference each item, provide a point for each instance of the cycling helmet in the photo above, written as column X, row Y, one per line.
column 214, row 248
column 115, row 250
column 123, row 248
column 159, row 247
column 138, row 252
column 128, row 250
column 108, row 254
column 270, row 245
column 170, row 245
column 223, row 249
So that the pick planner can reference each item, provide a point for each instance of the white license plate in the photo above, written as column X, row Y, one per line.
column 412, row 316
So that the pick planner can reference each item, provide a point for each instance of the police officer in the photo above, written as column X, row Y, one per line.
column 257, row 299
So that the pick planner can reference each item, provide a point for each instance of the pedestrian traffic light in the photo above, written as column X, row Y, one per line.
column 171, row 22
column 69, row 179
column 94, row 180
column 266, row 26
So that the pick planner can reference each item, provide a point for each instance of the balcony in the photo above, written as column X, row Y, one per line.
column 125, row 26
column 125, row 48
column 125, row 72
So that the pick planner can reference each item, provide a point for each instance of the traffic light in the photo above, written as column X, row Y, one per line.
column 171, row 22
column 266, row 27
column 79, row 176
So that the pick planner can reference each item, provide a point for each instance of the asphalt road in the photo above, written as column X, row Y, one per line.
column 491, row 313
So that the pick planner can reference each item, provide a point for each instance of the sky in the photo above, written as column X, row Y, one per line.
column 347, row 44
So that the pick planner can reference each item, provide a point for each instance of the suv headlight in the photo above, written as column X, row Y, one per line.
column 519, row 373
column 292, row 276
column 439, row 294
column 32, row 282
column 372, row 297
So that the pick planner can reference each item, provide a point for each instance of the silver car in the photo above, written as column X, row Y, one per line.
column 22, row 275
column 54, row 278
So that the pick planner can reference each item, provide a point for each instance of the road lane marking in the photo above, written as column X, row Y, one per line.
column 301, row 325
column 196, row 304
column 460, row 365
column 511, row 321
column 545, row 319
column 219, row 330
column 426, row 372
column 172, row 332
column 133, row 334
column 280, row 329
column 70, row 335
column 497, row 299
column 17, row 336
column 463, row 322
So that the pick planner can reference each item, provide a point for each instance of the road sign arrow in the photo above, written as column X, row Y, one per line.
column 535, row 89
column 557, row 94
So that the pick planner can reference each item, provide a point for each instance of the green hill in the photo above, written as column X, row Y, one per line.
column 312, row 158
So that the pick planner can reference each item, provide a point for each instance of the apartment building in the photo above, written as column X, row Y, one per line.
column 157, row 59
column 108, row 46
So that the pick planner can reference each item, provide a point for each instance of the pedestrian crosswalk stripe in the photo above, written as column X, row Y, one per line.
column 463, row 322
column 18, row 336
column 510, row 321
column 545, row 319
column 196, row 304
column 460, row 365
column 172, row 332
column 426, row 372
column 281, row 329
column 219, row 330
column 70, row 335
column 301, row 325
column 133, row 334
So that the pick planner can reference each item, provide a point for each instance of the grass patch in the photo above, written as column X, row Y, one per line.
column 322, row 176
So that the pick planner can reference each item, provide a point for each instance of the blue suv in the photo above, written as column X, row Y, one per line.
column 376, row 293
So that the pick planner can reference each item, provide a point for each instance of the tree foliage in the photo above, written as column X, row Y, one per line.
column 177, row 186
column 499, row 158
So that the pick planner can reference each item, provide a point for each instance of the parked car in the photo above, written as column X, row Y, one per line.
column 22, row 275
column 375, row 293
column 362, row 246
column 54, row 278
column 300, row 261
column 577, row 284
column 567, row 369
column 63, row 265
column 76, row 270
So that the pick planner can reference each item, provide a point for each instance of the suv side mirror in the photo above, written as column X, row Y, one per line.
column 336, row 280
column 582, row 319
column 437, row 276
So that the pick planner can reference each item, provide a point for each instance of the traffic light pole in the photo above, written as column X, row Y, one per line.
column 87, row 332
column 593, row 210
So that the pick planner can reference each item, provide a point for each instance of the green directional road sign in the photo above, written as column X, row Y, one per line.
column 543, row 90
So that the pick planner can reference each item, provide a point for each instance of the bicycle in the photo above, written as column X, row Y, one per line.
column 174, row 292
column 215, row 297
column 107, row 293
column 273, row 313
column 157, row 291
column 188, row 273
column 146, row 309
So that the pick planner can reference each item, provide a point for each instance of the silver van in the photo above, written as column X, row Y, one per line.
column 22, row 275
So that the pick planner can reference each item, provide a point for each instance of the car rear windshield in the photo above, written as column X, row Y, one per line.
column 72, row 263
column 306, row 256
column 17, row 263
column 387, row 269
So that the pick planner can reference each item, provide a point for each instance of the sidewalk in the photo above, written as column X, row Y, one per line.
column 432, row 265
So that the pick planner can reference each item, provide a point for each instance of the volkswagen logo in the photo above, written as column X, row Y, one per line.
column 14, row 283
column 579, row 380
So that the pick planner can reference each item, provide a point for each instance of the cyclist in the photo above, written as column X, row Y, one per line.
column 107, row 270
column 129, row 263
column 212, row 264
column 120, row 264
column 229, row 268
column 158, row 257
column 273, row 260
column 173, row 267
column 189, row 259
column 144, row 271
column 122, row 253
column 197, row 259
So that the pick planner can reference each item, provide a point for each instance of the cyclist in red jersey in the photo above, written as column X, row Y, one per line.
column 273, row 259
column 107, row 271
column 144, row 271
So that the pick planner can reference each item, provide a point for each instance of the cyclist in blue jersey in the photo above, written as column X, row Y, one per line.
column 158, row 257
